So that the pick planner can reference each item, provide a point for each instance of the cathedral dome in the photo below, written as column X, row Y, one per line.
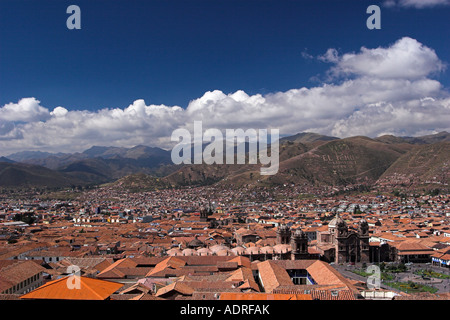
column 252, row 250
column 218, row 247
column 195, row 243
column 283, row 228
column 267, row 250
column 299, row 233
column 336, row 221
column 174, row 252
column 238, row 251
column 282, row 248
column 204, row 252
column 189, row 252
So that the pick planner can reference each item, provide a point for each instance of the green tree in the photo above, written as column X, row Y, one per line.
column 25, row 217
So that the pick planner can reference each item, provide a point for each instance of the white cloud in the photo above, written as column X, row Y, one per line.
column 306, row 55
column 331, row 55
column 26, row 110
column 418, row 4
column 406, row 59
column 405, row 118
column 59, row 112
column 386, row 90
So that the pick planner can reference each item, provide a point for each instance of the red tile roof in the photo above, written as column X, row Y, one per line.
column 13, row 272
column 90, row 289
column 273, row 276
column 263, row 296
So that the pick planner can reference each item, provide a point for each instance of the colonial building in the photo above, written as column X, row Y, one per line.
column 411, row 250
column 341, row 245
column 298, row 242
column 245, row 235
column 205, row 216
column 20, row 276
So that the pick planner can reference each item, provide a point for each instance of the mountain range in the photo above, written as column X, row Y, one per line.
column 308, row 159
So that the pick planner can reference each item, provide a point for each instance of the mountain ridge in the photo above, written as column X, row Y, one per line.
column 305, row 158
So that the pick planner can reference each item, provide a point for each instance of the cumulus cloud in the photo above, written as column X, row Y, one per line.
column 406, row 59
column 410, row 117
column 379, row 91
column 59, row 112
column 27, row 110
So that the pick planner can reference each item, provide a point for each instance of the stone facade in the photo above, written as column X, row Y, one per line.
column 298, row 241
column 349, row 246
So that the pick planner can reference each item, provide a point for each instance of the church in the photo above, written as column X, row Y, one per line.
column 339, row 244
column 298, row 242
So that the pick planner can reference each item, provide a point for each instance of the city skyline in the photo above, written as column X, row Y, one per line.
column 136, row 72
column 224, row 155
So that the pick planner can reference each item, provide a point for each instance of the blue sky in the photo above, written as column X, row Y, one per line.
column 172, row 53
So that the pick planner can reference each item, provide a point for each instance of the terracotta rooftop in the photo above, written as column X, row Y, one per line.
column 272, row 275
column 13, row 272
column 263, row 296
column 412, row 245
column 114, row 270
column 90, row 289
column 177, row 286
column 169, row 263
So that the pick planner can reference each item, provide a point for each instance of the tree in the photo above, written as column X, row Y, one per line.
column 25, row 217
column 357, row 210
column 401, row 267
